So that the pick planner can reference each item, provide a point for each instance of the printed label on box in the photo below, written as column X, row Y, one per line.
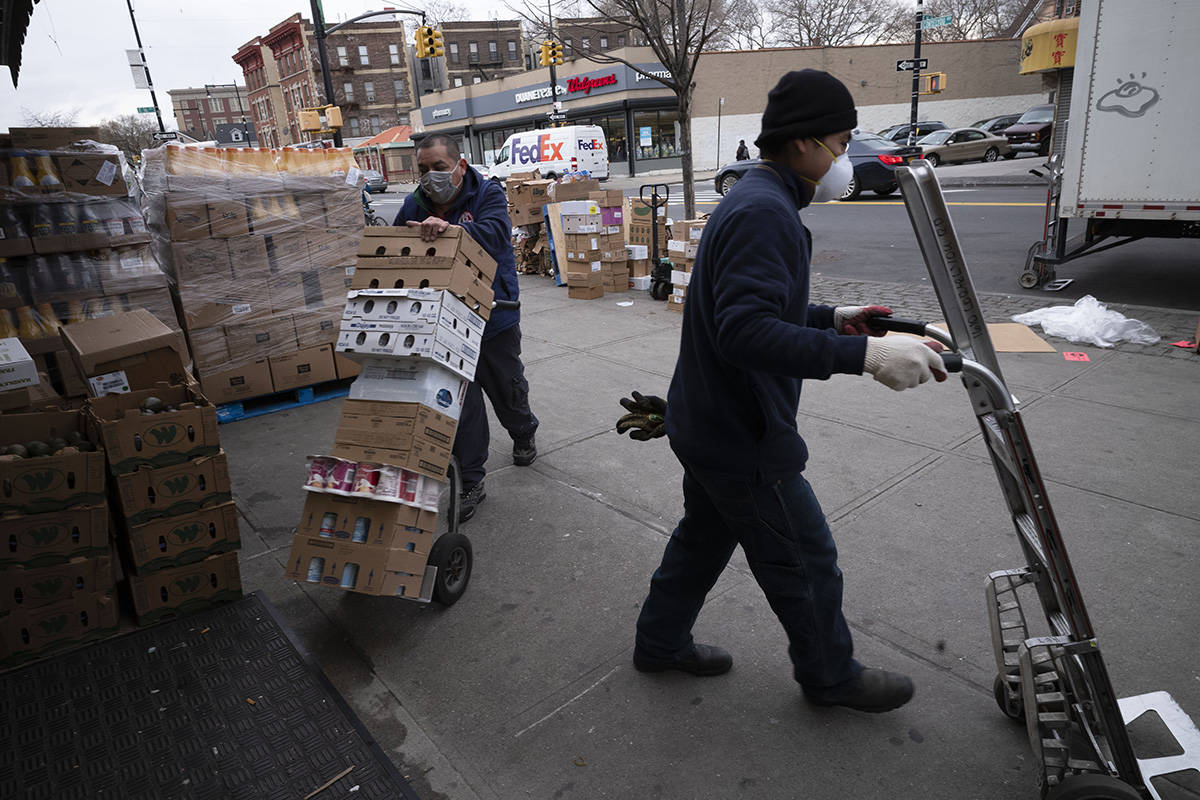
column 112, row 382
column 107, row 173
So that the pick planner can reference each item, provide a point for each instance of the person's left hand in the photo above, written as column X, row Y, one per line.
column 432, row 228
column 647, row 417
column 853, row 320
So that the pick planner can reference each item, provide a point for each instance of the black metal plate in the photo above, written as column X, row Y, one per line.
column 166, row 712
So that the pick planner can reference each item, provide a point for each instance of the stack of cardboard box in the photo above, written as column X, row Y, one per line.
column 57, row 576
column 682, row 252
column 637, row 264
column 260, row 245
column 638, row 227
column 73, row 246
column 613, row 265
column 527, row 197
column 413, row 319
column 583, row 238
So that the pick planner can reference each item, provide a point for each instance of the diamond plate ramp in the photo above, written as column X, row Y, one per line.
column 219, row 704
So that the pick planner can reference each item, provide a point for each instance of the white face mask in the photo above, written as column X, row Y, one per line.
column 836, row 179
column 439, row 186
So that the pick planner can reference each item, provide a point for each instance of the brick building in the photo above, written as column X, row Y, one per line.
column 482, row 50
column 369, row 65
column 198, row 111
column 581, row 35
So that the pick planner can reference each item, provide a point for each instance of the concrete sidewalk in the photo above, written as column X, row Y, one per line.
column 525, row 688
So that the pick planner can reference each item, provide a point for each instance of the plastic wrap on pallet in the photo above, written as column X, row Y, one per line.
column 258, row 245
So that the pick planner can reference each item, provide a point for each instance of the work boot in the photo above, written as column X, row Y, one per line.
column 873, row 690
column 469, row 499
column 699, row 659
column 524, row 451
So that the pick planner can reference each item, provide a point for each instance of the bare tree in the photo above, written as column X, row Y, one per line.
column 437, row 13
column 969, row 19
column 61, row 118
column 131, row 133
column 748, row 26
column 830, row 23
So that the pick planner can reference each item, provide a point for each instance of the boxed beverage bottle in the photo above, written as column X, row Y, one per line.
column 360, row 568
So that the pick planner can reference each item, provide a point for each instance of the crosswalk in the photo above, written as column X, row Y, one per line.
column 707, row 197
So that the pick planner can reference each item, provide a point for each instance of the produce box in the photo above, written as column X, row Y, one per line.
column 34, row 484
column 43, row 540
column 30, row 587
column 182, row 590
column 31, row 633
column 182, row 540
column 154, row 493
column 181, row 425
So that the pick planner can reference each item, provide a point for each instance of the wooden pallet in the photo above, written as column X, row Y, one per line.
column 282, row 401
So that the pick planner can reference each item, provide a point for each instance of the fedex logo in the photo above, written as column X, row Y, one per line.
column 542, row 149
column 592, row 144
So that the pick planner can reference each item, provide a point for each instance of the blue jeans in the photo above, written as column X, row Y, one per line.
column 787, row 542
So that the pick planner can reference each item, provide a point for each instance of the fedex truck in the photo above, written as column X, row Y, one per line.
column 553, row 151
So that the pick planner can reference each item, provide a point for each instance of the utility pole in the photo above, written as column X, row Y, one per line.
column 720, row 105
column 319, row 34
column 916, row 75
column 146, row 66
column 554, row 104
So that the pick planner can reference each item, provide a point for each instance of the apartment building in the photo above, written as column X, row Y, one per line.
column 482, row 50
column 199, row 111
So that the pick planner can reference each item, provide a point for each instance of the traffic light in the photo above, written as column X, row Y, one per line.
column 933, row 82
column 424, row 40
column 436, row 48
column 547, row 50
column 557, row 53
column 333, row 117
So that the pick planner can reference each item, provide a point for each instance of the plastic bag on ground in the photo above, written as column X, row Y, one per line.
column 1090, row 321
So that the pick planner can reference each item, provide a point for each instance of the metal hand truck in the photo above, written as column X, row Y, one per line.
column 660, row 265
column 1056, row 683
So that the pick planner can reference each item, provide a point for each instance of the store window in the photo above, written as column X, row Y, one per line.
column 394, row 53
column 655, row 134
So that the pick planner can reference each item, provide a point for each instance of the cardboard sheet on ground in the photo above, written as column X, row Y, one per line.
column 1008, row 337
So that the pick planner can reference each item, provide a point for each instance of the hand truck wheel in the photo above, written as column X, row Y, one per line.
column 1011, row 704
column 452, row 556
column 1092, row 786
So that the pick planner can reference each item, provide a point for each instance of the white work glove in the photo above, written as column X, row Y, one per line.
column 852, row 320
column 901, row 362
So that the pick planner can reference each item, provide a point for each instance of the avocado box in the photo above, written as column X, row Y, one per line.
column 29, row 633
column 178, row 541
column 21, row 587
column 182, row 590
column 43, row 540
column 134, row 439
column 152, row 493
column 362, row 568
column 48, row 483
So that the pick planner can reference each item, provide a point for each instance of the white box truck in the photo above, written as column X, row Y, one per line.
column 1128, row 168
column 553, row 151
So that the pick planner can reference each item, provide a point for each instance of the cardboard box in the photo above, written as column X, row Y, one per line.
column 48, row 483
column 44, row 540
column 392, row 524
column 391, row 423
column 154, row 493
column 17, row 368
column 588, row 279
column 287, row 252
column 133, row 270
column 357, row 567
column 238, row 383
column 535, row 193
column 461, row 280
column 178, row 541
column 182, row 590
column 227, row 217
column 209, row 351
column 455, row 243
column 689, row 230
column 27, row 634
column 639, row 268
column 302, row 368
column 421, row 456
column 333, row 248
column 585, row 293
column 50, row 138
column 215, row 303
column 411, row 381
column 187, row 216
column 411, row 311
column 581, row 223
column 608, row 198
column 249, row 254
column 345, row 367
column 157, row 301
column 315, row 328
column 519, row 216
column 25, row 587
column 265, row 337
column 575, row 190
column 92, row 173
column 133, row 440
column 131, row 350
column 202, row 263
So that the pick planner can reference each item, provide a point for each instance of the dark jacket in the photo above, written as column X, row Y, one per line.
column 743, row 153
column 750, row 335
column 485, row 208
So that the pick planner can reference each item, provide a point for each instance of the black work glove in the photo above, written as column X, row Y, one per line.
column 647, row 417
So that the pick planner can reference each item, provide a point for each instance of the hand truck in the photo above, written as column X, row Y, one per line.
column 660, row 265
column 1056, row 683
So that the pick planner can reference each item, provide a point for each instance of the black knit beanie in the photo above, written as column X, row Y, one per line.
column 808, row 102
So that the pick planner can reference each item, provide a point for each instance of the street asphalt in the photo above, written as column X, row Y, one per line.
column 525, row 688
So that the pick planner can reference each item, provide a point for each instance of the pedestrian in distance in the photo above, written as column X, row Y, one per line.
column 743, row 152
column 452, row 193
column 750, row 338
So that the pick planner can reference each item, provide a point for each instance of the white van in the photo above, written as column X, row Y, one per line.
column 550, row 151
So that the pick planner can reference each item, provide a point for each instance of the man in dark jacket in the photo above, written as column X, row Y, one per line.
column 743, row 152
column 452, row 193
column 750, row 337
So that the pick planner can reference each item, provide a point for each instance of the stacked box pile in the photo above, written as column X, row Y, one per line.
column 73, row 247
column 259, row 246
column 57, row 577
column 527, row 200
column 637, row 264
column 682, row 252
column 613, row 264
column 582, row 245
column 413, row 319
column 638, row 228
column 177, row 529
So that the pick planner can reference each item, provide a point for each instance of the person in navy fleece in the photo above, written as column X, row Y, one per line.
column 750, row 338
column 452, row 193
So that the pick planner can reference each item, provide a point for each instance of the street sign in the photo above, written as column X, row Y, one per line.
column 936, row 22
column 907, row 64
column 145, row 109
column 554, row 116
column 165, row 136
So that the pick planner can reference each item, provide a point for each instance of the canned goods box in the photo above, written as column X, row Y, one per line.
column 182, row 540
column 24, row 587
column 43, row 540
column 151, row 493
column 369, row 473
column 181, row 425
column 453, row 244
column 182, row 590
column 42, row 484
column 29, row 633
column 361, row 568
column 389, row 525
column 411, row 381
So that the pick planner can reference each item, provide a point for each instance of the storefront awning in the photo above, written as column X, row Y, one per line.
column 1049, row 45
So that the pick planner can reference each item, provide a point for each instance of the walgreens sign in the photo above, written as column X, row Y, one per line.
column 586, row 85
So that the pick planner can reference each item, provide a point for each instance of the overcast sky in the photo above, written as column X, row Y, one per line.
column 74, row 54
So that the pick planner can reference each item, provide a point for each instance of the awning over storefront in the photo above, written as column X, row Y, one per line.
column 1049, row 45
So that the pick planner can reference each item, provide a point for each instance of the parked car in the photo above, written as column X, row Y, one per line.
column 375, row 181
column 955, row 145
column 997, row 124
column 1033, row 131
column 899, row 133
column 482, row 169
column 874, row 160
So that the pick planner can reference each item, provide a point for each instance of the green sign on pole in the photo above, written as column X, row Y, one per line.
column 936, row 22
column 145, row 109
